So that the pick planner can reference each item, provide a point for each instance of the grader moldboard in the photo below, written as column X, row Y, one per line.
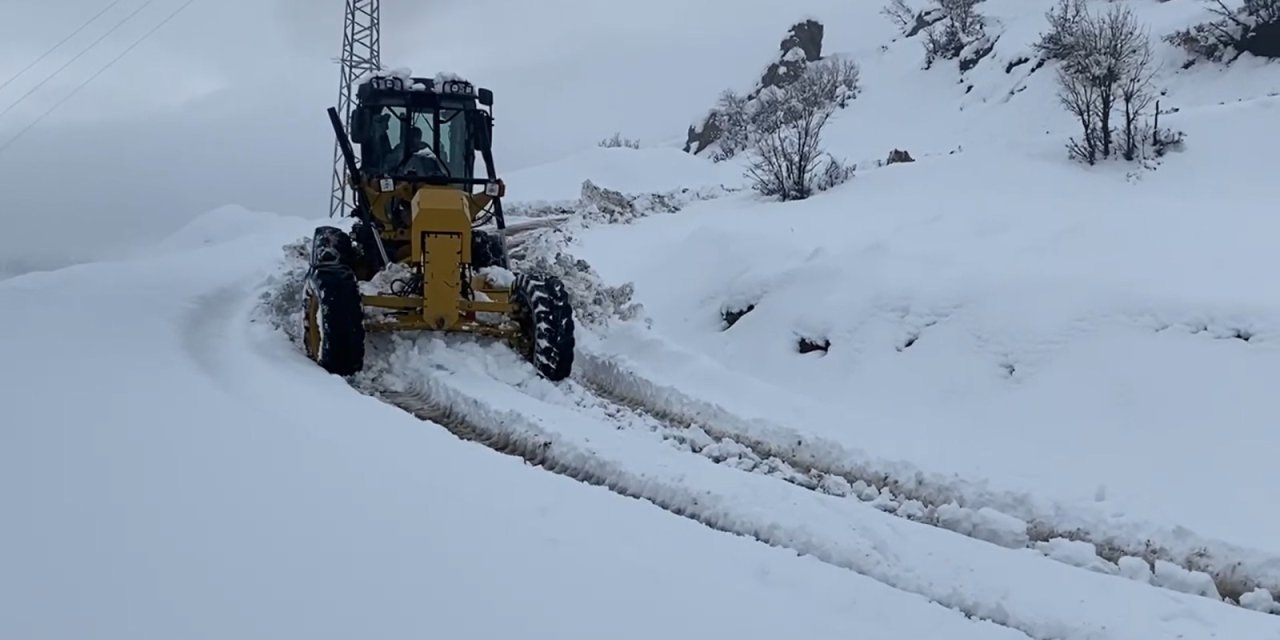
column 419, row 208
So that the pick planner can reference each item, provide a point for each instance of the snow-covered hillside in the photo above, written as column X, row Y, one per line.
column 1034, row 401
column 1085, row 348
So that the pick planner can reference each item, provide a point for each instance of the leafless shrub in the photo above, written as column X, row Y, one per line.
column 899, row 13
column 961, row 25
column 787, row 160
column 617, row 141
column 1108, row 67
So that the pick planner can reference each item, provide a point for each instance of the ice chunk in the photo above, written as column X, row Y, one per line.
column 1135, row 568
column 1171, row 576
column 835, row 485
column 985, row 524
column 497, row 276
column 1259, row 600
column 1076, row 553
column 912, row 509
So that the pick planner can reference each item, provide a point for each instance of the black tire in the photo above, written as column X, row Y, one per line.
column 332, row 246
column 333, row 320
column 486, row 250
column 546, row 324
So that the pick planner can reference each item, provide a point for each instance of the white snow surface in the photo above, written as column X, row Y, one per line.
column 1024, row 351
column 1087, row 347
column 175, row 468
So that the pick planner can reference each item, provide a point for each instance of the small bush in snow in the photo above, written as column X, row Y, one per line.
column 786, row 132
column 733, row 115
column 617, row 141
column 1106, row 75
column 835, row 172
column 827, row 84
column 1066, row 22
column 1252, row 27
column 786, row 158
column 961, row 26
column 1166, row 140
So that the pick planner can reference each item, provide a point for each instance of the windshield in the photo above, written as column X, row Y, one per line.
column 425, row 143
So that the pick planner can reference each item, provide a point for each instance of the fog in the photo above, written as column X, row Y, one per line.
column 225, row 104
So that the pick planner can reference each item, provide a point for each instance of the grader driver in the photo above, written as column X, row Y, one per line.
column 416, row 248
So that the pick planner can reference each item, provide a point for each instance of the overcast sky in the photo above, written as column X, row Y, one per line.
column 225, row 104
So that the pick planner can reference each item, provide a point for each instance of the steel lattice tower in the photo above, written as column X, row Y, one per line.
column 361, row 53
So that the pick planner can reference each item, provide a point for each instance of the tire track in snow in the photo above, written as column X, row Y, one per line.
column 824, row 467
column 204, row 332
column 513, row 434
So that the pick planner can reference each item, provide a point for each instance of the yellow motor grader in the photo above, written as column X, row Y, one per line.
column 416, row 243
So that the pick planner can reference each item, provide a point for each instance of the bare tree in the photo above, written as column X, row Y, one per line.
column 787, row 160
column 964, row 15
column 1136, row 96
column 961, row 25
column 1080, row 98
column 1065, row 22
column 1109, row 66
column 899, row 13
column 786, row 157
column 734, row 118
column 833, row 81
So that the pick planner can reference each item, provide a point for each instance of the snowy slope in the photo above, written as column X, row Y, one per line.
column 1093, row 345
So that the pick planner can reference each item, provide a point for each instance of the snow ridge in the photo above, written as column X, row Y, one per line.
column 480, row 391
column 512, row 434
column 1006, row 520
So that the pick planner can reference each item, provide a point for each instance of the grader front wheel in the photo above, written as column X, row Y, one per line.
column 333, row 320
column 546, row 324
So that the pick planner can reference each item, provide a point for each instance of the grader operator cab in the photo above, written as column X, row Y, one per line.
column 417, row 248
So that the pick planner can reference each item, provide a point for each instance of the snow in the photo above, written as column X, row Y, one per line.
column 1082, row 554
column 1040, row 598
column 1043, row 412
column 192, row 475
column 1025, row 330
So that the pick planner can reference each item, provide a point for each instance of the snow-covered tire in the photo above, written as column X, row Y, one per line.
column 546, row 324
column 486, row 250
column 332, row 246
column 333, row 320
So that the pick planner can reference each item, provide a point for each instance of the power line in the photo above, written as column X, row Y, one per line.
column 60, row 43
column 99, row 72
column 76, row 57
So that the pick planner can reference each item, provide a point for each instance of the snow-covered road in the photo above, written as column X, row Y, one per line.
column 185, row 471
column 171, row 468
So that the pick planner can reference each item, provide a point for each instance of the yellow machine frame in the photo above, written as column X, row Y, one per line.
column 438, row 242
